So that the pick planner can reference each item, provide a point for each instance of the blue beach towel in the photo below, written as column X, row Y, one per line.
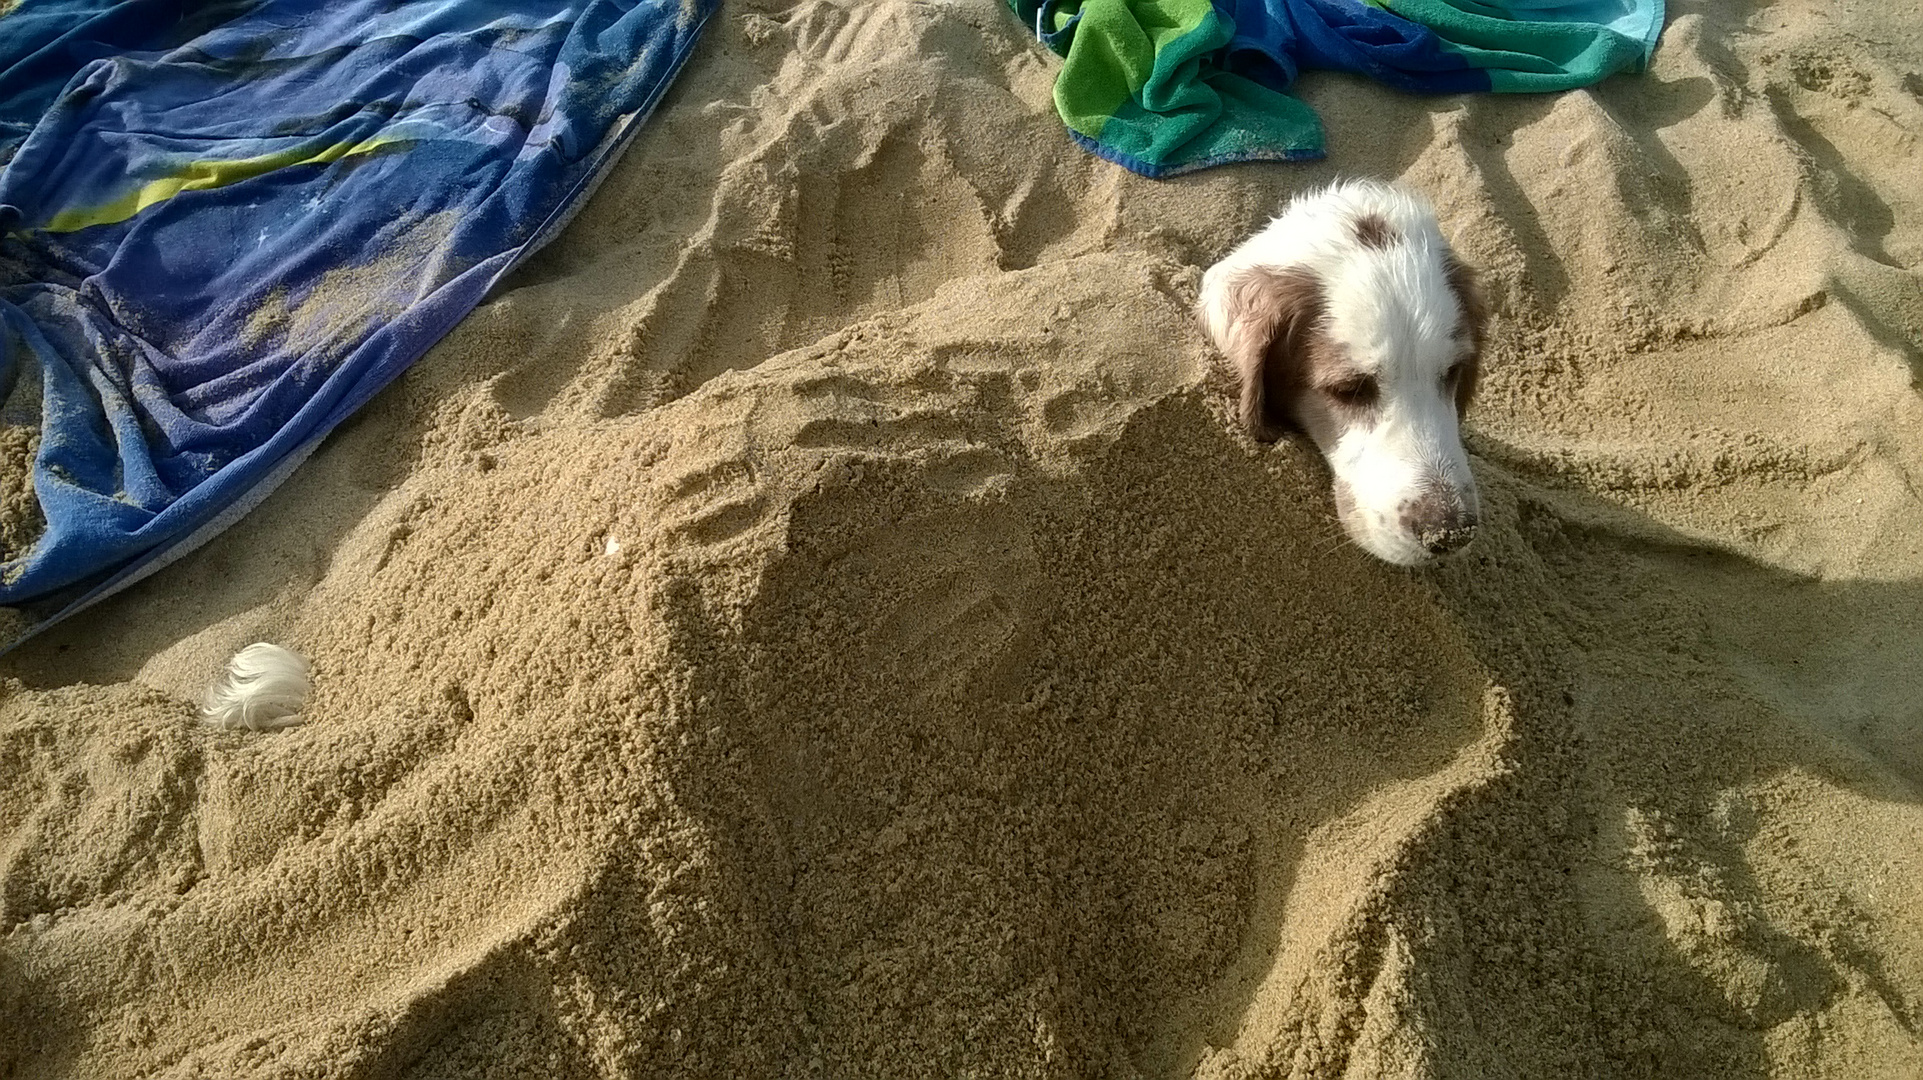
column 225, row 225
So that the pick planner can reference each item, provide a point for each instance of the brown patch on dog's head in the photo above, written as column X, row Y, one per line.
column 1274, row 329
column 1373, row 231
column 1475, row 321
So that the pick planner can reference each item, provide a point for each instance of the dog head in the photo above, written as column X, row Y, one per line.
column 1350, row 319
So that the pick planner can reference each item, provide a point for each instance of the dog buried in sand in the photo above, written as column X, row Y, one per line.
column 1350, row 319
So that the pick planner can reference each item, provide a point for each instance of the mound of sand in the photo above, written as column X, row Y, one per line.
column 821, row 622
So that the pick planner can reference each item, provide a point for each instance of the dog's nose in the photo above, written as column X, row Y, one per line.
column 1439, row 523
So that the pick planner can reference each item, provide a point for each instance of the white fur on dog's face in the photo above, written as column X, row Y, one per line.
column 1349, row 317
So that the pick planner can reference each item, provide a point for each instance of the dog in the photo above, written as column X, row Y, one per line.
column 1350, row 319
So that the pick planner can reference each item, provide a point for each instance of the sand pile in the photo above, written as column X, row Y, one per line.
column 821, row 622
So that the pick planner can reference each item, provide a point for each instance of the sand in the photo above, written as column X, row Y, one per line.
column 820, row 621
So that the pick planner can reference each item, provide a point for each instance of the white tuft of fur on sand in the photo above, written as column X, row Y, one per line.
column 264, row 688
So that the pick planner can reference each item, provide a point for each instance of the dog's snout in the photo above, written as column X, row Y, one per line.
column 1439, row 523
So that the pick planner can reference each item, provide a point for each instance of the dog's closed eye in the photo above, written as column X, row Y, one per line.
column 1356, row 391
column 1459, row 382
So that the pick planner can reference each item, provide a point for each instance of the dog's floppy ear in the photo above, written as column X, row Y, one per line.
column 1464, row 283
column 1261, row 318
